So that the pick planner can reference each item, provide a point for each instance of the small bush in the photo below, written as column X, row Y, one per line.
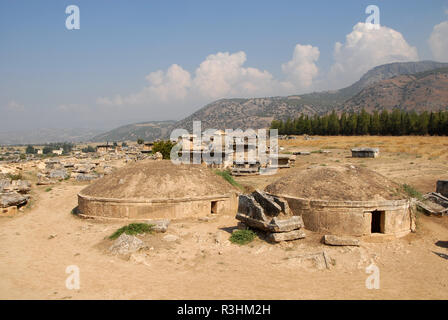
column 48, row 190
column 14, row 176
column 242, row 237
column 133, row 229
column 412, row 192
column 164, row 147
column 228, row 177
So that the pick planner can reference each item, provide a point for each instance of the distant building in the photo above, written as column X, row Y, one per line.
column 365, row 152
column 105, row 148
column 58, row 152
column 147, row 147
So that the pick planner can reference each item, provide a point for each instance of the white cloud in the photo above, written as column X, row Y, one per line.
column 302, row 69
column 366, row 48
column 220, row 75
column 177, row 91
column 223, row 75
column 438, row 42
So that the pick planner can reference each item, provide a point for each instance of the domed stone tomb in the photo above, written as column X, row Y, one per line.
column 345, row 200
column 157, row 190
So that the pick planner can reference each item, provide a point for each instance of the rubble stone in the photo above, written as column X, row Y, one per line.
column 60, row 174
column 270, row 214
column 159, row 225
column 10, row 199
column 126, row 244
column 42, row 180
column 286, row 236
column 86, row 177
column 340, row 241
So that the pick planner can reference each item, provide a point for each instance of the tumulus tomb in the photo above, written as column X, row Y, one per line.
column 345, row 200
column 158, row 190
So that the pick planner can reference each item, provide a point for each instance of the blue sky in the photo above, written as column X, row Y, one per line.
column 96, row 76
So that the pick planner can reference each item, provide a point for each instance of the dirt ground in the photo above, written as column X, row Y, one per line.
column 38, row 244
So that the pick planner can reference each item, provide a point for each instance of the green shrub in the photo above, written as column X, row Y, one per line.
column 48, row 189
column 228, row 177
column 164, row 147
column 89, row 149
column 133, row 229
column 14, row 176
column 242, row 237
column 412, row 192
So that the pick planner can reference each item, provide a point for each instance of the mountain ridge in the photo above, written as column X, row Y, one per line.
column 244, row 113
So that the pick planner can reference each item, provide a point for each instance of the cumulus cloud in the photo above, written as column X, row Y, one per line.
column 221, row 75
column 302, row 69
column 225, row 75
column 366, row 48
column 438, row 41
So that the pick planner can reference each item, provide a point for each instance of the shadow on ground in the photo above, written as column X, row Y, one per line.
column 442, row 244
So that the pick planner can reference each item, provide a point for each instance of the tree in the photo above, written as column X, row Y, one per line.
column 30, row 150
column 333, row 124
column 375, row 124
column 362, row 127
column 164, row 147
column 140, row 141
column 47, row 150
column 396, row 123
column 88, row 149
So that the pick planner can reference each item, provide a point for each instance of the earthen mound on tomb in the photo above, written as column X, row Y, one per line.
column 337, row 183
column 158, row 190
column 159, row 180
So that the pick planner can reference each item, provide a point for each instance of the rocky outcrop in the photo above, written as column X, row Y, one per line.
column 271, row 215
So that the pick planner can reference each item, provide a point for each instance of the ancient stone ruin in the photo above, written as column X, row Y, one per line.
column 271, row 215
column 158, row 190
column 13, row 195
column 442, row 187
column 436, row 203
column 346, row 200
column 365, row 152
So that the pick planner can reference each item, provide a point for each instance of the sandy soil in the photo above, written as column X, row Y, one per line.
column 37, row 245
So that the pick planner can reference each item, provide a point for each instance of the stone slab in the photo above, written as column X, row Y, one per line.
column 340, row 241
column 286, row 236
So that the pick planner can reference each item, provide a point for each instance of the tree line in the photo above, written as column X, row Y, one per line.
column 395, row 123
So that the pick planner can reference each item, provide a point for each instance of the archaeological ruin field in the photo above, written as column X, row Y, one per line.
column 313, row 235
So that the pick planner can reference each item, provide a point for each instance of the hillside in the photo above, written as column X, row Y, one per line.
column 46, row 136
column 410, row 85
column 146, row 130
column 425, row 91
column 259, row 112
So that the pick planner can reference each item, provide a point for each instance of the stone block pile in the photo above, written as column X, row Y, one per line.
column 13, row 194
column 271, row 215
